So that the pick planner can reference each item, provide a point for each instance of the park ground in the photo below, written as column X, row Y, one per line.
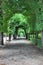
column 20, row 52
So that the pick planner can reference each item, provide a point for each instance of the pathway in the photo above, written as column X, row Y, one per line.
column 20, row 52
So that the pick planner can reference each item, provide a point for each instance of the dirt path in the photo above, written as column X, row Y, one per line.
column 20, row 54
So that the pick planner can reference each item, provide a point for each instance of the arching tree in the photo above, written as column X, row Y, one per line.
column 17, row 20
column 11, row 6
column 31, row 9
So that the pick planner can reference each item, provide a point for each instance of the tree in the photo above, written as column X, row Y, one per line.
column 11, row 7
column 1, row 22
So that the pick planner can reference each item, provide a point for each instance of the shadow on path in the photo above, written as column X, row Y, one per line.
column 21, row 54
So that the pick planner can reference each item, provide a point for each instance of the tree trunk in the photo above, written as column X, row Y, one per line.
column 28, row 36
column 9, row 37
column 36, row 38
column 1, row 39
column 42, row 37
column 14, row 36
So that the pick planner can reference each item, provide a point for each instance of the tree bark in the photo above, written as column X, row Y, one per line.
column 14, row 36
column 9, row 37
column 42, row 37
column 27, row 36
column 2, row 38
column 36, row 38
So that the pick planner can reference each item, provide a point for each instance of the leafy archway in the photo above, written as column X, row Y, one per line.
column 17, row 6
column 32, row 9
column 19, row 19
column 21, row 32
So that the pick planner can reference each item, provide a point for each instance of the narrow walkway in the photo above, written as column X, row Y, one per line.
column 20, row 52
column 19, row 41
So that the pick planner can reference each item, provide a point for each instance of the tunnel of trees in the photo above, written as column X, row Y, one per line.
column 28, row 14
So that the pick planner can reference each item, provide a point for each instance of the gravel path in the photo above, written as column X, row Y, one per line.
column 20, row 54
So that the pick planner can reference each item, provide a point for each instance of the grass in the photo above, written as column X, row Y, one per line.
column 39, row 43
